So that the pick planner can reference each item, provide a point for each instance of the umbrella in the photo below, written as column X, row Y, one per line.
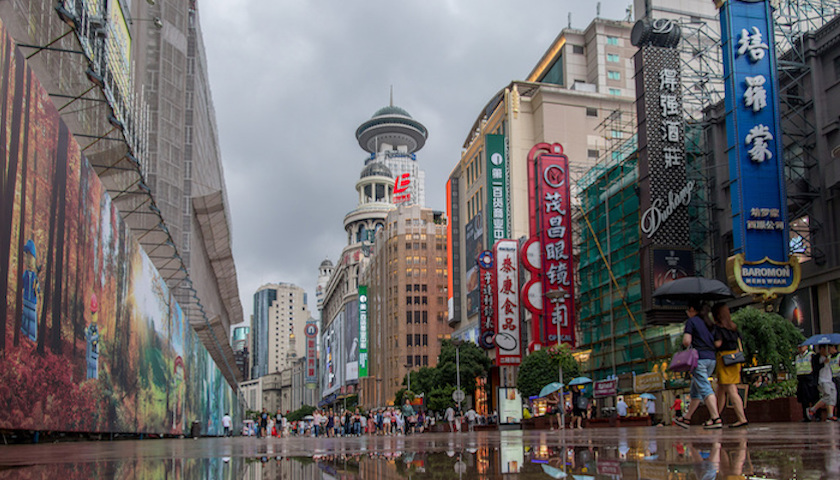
column 649, row 396
column 580, row 381
column 309, row 418
column 697, row 288
column 823, row 339
column 553, row 472
column 550, row 388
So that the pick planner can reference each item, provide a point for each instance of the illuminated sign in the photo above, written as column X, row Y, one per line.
column 310, row 331
column 551, row 203
column 497, row 194
column 402, row 185
column 508, row 351
column 487, row 294
column 762, row 263
column 363, row 331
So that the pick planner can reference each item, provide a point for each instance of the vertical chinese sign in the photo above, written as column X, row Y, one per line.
column 311, row 333
column 487, row 293
column 497, row 207
column 664, row 190
column 508, row 338
column 762, row 263
column 363, row 331
column 550, row 200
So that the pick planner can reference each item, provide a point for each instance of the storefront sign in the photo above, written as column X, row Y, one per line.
column 487, row 295
column 508, row 351
column 647, row 382
column 497, row 194
column 762, row 263
column 605, row 388
column 363, row 331
column 310, row 331
column 551, row 202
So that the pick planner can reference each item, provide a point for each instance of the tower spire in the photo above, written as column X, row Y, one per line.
column 392, row 95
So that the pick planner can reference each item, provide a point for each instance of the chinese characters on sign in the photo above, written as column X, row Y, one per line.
column 487, row 293
column 554, row 221
column 311, row 333
column 402, row 192
column 508, row 351
column 762, row 263
column 497, row 208
column 363, row 331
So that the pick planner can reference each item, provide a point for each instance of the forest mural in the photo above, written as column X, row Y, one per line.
column 93, row 341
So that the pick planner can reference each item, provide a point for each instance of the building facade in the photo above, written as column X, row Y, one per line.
column 407, row 291
column 277, row 330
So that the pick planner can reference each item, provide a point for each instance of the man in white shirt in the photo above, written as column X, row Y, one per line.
column 621, row 408
column 450, row 417
column 227, row 422
column 471, row 415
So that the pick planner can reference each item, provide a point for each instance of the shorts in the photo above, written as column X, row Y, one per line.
column 828, row 393
column 700, row 386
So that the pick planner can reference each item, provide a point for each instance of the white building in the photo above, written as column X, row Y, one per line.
column 277, row 338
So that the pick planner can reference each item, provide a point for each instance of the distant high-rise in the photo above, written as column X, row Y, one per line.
column 277, row 337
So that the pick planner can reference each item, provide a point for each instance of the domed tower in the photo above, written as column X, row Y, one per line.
column 375, row 188
column 325, row 271
column 392, row 137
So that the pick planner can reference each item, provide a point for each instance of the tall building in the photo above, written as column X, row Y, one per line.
column 583, row 77
column 277, row 337
column 407, row 289
column 135, row 77
column 242, row 349
column 392, row 137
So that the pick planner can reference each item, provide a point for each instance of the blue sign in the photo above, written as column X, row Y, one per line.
column 762, row 263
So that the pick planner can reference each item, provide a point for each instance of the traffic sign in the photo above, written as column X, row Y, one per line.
column 458, row 396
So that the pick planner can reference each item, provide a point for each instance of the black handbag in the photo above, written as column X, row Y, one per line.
column 735, row 357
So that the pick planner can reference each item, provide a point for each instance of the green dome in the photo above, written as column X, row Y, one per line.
column 390, row 110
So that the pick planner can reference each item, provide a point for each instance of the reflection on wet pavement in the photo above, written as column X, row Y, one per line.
column 775, row 451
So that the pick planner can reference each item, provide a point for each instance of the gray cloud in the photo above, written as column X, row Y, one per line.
column 293, row 80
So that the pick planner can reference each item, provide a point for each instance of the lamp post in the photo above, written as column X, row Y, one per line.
column 457, row 342
column 408, row 375
column 561, row 400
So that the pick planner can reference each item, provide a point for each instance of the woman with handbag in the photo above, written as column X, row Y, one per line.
column 698, row 335
column 730, row 356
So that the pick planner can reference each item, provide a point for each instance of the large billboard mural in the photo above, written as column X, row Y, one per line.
column 93, row 341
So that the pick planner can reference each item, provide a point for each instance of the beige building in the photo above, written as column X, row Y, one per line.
column 280, row 315
column 407, row 290
column 584, row 77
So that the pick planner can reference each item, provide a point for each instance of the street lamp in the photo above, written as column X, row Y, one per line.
column 408, row 374
column 457, row 342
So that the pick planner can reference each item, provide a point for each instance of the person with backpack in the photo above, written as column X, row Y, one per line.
column 579, row 406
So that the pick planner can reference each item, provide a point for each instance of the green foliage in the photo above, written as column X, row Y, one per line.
column 300, row 413
column 440, row 398
column 473, row 363
column 768, row 338
column 542, row 367
column 783, row 389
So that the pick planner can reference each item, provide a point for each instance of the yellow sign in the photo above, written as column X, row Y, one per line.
column 118, row 48
column 647, row 382
column 737, row 265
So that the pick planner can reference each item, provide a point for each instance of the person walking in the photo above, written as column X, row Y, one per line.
column 227, row 422
column 579, row 405
column 263, row 424
column 677, row 406
column 806, row 380
column 698, row 335
column 728, row 341
column 450, row 418
column 621, row 408
column 828, row 394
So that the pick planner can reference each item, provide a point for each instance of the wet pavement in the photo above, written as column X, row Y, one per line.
column 777, row 451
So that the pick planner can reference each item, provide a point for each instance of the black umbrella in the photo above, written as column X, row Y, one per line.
column 688, row 288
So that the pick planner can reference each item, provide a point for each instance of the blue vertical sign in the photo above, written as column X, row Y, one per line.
column 762, row 263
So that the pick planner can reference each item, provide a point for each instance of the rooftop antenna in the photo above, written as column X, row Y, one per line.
column 392, row 95
column 629, row 13
column 598, row 10
column 570, row 19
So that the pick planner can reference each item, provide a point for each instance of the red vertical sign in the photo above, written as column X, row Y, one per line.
column 508, row 335
column 552, row 204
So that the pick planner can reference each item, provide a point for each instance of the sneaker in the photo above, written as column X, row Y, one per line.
column 809, row 414
column 832, row 419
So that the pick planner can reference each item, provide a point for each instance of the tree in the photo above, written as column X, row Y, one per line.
column 542, row 367
column 768, row 338
column 473, row 363
column 300, row 413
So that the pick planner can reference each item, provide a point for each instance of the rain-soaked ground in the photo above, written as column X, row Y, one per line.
column 776, row 451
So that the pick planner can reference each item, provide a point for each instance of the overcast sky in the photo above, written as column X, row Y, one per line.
column 292, row 80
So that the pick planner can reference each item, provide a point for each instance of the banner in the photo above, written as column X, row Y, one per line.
column 508, row 335
column 311, row 333
column 551, row 202
column 363, row 331
column 487, row 310
column 762, row 263
column 497, row 186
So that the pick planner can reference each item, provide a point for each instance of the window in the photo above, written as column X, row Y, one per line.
column 417, row 317
column 425, row 300
column 417, row 339
column 407, row 317
column 425, row 360
column 612, row 40
column 417, row 359
column 408, row 340
column 417, row 300
column 425, row 340
column 425, row 316
column 591, row 112
column 577, row 49
column 613, row 75
column 592, row 153
column 612, row 57
column 408, row 287
column 615, row 91
column 616, row 134
column 408, row 300
column 409, row 360
column 408, row 245
column 425, row 287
